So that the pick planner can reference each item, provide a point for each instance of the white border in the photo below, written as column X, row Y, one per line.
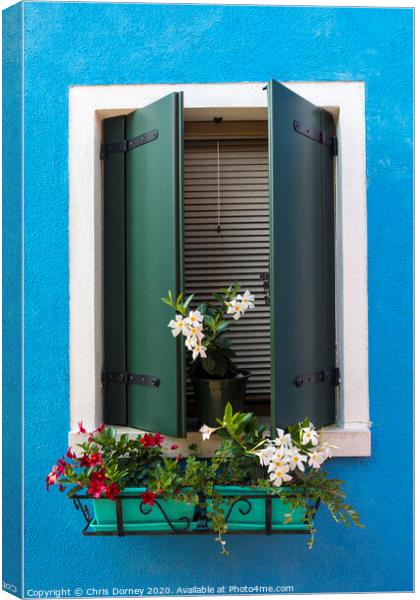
column 88, row 105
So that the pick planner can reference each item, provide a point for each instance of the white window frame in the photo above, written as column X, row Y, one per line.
column 88, row 106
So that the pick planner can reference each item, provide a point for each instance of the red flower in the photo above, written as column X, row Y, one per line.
column 95, row 459
column 70, row 454
column 85, row 461
column 61, row 466
column 174, row 447
column 81, row 428
column 97, row 485
column 148, row 441
column 112, row 490
column 148, row 498
column 159, row 440
column 51, row 477
column 178, row 457
column 101, row 428
column 100, row 475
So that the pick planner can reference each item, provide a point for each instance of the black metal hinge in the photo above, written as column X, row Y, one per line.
column 332, row 375
column 127, row 145
column 125, row 378
column 317, row 136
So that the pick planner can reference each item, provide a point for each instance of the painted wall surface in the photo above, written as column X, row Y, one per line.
column 12, row 295
column 84, row 44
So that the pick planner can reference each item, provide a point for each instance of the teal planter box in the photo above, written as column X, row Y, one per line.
column 246, row 512
column 164, row 515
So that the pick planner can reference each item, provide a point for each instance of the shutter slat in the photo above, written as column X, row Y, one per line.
column 241, row 251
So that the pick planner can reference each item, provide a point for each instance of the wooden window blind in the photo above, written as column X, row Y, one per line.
column 240, row 251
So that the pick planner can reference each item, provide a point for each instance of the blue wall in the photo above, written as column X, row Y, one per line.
column 12, row 296
column 84, row 44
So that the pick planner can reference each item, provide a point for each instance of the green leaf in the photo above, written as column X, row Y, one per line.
column 73, row 490
column 188, row 300
column 209, row 364
column 210, row 322
column 222, row 327
column 228, row 413
column 168, row 302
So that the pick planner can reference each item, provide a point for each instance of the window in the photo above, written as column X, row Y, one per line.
column 191, row 114
column 149, row 231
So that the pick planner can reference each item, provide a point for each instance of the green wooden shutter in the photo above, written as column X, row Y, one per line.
column 115, row 405
column 155, row 264
column 143, row 258
column 302, row 277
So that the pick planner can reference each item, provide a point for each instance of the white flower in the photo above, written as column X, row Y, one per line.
column 278, row 462
column 266, row 455
column 177, row 325
column 247, row 301
column 296, row 460
column 281, row 453
column 325, row 450
column 194, row 331
column 316, row 458
column 235, row 308
column 194, row 318
column 199, row 350
column 279, row 475
column 190, row 342
column 309, row 435
column 207, row 431
column 283, row 440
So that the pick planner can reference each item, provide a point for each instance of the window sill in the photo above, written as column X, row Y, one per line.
column 351, row 440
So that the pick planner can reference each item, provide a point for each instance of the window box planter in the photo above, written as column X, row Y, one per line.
column 252, row 509
column 127, row 513
column 247, row 510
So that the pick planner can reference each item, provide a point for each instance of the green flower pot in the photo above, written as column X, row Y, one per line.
column 212, row 395
column 250, row 513
column 139, row 516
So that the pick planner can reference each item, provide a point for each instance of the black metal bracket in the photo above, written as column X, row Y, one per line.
column 317, row 136
column 331, row 375
column 127, row 145
column 125, row 378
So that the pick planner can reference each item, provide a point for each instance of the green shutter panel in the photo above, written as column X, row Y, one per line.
column 115, row 406
column 155, row 264
column 302, row 278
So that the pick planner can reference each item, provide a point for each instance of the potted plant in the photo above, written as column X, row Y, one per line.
column 154, row 493
column 252, row 483
column 216, row 379
column 288, row 469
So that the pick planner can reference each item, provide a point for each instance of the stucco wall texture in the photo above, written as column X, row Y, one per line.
column 85, row 44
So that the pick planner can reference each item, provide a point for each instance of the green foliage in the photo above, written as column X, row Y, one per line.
column 125, row 462
column 141, row 462
column 177, row 304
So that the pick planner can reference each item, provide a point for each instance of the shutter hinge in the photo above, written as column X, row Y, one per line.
column 331, row 375
column 126, row 378
column 127, row 145
column 318, row 136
